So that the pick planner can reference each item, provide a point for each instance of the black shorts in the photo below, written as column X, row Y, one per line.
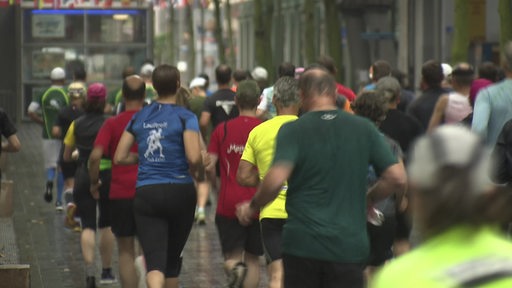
column 86, row 205
column 164, row 215
column 403, row 226
column 122, row 217
column 68, row 169
column 271, row 235
column 233, row 236
column 381, row 241
column 311, row 273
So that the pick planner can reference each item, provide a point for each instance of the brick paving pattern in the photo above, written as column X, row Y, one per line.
column 53, row 251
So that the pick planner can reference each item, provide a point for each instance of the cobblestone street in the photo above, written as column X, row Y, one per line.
column 53, row 252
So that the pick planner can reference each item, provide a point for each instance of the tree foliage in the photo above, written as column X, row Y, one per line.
column 263, row 22
column 191, row 52
column 172, row 40
column 461, row 32
column 309, row 31
column 219, row 34
column 231, row 43
column 504, row 9
column 333, row 30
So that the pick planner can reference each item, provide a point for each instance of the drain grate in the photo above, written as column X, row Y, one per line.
column 8, row 248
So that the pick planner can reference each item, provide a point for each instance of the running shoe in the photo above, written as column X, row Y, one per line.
column 68, row 196
column 201, row 218
column 48, row 195
column 90, row 282
column 107, row 277
column 236, row 276
column 69, row 221
column 58, row 206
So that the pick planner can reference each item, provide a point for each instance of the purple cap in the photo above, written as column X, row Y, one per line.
column 96, row 92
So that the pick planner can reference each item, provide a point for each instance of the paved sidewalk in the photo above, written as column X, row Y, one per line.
column 53, row 252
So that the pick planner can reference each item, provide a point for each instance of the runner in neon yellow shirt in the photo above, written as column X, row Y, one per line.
column 461, row 255
column 455, row 209
column 255, row 162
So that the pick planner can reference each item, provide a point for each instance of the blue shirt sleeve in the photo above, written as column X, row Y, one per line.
column 191, row 122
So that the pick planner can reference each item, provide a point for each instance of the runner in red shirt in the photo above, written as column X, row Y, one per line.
column 241, row 245
column 124, row 177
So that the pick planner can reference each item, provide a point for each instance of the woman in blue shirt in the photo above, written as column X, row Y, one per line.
column 169, row 157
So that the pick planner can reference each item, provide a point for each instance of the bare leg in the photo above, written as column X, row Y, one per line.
column 202, row 193
column 252, row 278
column 69, row 183
column 127, row 273
column 87, row 242
column 172, row 283
column 231, row 258
column 276, row 273
column 106, row 247
column 155, row 279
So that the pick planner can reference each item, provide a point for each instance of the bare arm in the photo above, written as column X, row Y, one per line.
column 192, row 142
column 56, row 131
column 392, row 180
column 35, row 117
column 108, row 109
column 68, row 150
column 437, row 116
column 13, row 144
column 247, row 174
column 268, row 191
column 94, row 170
column 123, row 156
column 204, row 122
column 262, row 114
column 213, row 158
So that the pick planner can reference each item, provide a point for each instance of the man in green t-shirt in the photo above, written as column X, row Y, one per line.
column 49, row 104
column 324, row 155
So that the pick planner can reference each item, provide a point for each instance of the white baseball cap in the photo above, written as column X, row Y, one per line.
column 259, row 73
column 147, row 69
column 449, row 145
column 447, row 70
column 197, row 82
column 57, row 74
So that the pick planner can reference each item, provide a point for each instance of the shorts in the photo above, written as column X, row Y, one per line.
column 164, row 215
column 305, row 272
column 381, row 241
column 68, row 169
column 122, row 218
column 86, row 205
column 51, row 150
column 403, row 226
column 271, row 235
column 233, row 236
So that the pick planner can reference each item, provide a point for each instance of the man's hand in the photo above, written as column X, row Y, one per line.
column 206, row 158
column 74, row 155
column 244, row 212
column 95, row 190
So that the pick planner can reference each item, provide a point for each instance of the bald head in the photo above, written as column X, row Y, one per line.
column 317, row 82
column 134, row 88
column 462, row 75
column 317, row 85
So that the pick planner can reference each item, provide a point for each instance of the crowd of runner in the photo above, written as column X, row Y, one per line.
column 308, row 173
